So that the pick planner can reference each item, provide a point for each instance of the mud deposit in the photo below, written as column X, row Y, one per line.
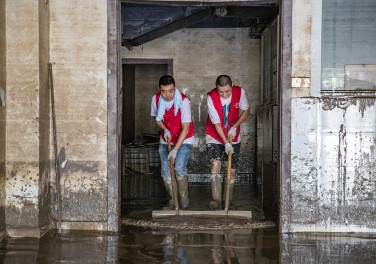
column 191, row 223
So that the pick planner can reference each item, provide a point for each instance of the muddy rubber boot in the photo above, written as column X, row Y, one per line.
column 183, row 192
column 171, row 203
column 216, row 188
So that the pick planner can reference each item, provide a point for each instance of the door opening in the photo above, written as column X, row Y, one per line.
column 141, row 183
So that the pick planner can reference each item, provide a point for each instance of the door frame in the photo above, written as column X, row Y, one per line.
column 114, row 107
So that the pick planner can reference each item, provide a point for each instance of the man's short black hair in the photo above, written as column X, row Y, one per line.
column 166, row 80
column 223, row 80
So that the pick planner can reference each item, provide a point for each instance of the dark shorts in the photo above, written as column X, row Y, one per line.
column 217, row 151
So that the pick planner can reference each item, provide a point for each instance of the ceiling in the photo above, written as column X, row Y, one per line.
column 144, row 22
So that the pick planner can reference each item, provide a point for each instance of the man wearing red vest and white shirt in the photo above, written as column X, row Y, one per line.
column 228, row 108
column 172, row 112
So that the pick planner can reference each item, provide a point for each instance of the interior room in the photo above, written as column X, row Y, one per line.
column 195, row 44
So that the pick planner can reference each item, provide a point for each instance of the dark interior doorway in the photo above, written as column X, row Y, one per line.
column 140, row 82
column 141, row 183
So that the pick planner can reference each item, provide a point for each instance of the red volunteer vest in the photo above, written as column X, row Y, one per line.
column 173, row 123
column 233, row 115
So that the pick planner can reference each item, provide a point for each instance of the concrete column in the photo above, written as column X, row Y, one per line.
column 2, row 119
column 79, row 55
column 26, row 129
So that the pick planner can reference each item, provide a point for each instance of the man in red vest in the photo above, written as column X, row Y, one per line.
column 172, row 112
column 228, row 108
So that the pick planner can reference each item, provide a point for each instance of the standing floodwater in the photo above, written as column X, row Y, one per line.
column 145, row 246
column 138, row 245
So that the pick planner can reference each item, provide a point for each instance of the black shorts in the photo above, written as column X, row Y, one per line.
column 217, row 151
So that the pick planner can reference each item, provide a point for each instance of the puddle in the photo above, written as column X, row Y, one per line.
column 187, row 239
column 136, row 245
column 141, row 245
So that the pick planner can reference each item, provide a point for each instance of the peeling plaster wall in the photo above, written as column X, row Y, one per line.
column 301, row 46
column 325, row 248
column 80, row 82
column 332, row 184
column 333, row 164
column 2, row 117
column 22, row 117
column 199, row 56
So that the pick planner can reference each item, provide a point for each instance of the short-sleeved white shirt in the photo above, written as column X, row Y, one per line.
column 186, row 116
column 214, row 117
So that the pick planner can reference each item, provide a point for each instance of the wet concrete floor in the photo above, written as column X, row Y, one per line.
column 146, row 191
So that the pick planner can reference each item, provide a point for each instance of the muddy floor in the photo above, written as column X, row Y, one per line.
column 146, row 192
column 144, row 195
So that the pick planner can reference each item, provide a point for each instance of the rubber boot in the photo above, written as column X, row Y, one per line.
column 183, row 191
column 171, row 203
column 216, row 188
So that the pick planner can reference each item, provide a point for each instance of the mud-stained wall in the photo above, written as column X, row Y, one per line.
column 199, row 56
column 22, row 113
column 333, row 164
column 326, row 248
column 331, row 187
column 44, row 115
column 301, row 47
column 80, row 81
column 2, row 117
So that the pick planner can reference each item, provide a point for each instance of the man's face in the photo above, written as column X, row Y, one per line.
column 167, row 92
column 224, row 91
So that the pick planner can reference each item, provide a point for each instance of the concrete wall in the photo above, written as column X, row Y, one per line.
column 79, row 53
column 326, row 248
column 2, row 117
column 22, row 118
column 332, row 183
column 333, row 164
column 199, row 56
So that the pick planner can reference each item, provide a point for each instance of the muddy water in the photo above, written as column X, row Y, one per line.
column 189, row 240
column 145, row 246
column 138, row 245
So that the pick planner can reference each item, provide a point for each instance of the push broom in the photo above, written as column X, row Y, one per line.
column 225, row 213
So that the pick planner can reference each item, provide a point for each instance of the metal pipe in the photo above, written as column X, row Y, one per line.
column 57, row 169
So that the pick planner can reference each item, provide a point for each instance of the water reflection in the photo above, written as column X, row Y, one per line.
column 143, row 246
column 329, row 248
column 166, row 246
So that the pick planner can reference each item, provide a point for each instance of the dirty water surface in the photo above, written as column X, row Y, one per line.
column 143, row 245
column 182, row 239
column 135, row 245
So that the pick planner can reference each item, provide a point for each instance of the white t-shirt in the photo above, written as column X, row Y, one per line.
column 214, row 117
column 186, row 116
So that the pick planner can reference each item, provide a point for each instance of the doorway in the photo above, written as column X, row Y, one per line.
column 200, row 78
column 140, row 82
column 141, row 186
